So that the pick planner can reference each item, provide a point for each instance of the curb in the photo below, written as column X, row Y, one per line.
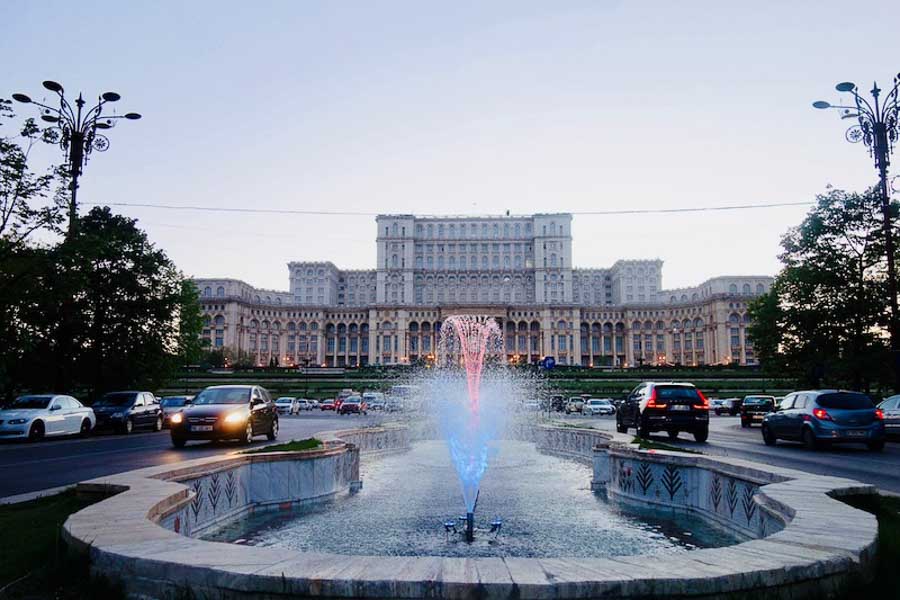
column 28, row 496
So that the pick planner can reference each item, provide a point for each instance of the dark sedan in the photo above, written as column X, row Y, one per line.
column 127, row 411
column 755, row 408
column 226, row 412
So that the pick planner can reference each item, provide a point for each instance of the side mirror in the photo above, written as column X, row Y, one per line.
column 55, row 407
column 188, row 402
column 256, row 402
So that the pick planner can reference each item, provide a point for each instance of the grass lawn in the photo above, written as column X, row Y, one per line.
column 654, row 445
column 292, row 446
column 34, row 561
column 886, row 584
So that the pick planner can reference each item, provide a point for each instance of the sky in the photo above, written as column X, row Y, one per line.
column 463, row 107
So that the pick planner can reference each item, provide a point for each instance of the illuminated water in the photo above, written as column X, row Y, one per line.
column 546, row 504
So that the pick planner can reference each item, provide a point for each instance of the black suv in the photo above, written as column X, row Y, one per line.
column 127, row 411
column 671, row 407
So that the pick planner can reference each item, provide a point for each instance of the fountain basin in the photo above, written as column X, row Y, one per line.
column 822, row 543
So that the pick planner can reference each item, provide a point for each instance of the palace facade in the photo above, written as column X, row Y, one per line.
column 517, row 269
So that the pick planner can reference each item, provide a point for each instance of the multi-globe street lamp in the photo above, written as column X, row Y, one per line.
column 877, row 126
column 75, row 130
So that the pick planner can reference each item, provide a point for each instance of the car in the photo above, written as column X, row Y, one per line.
column 574, row 405
column 226, row 412
column 303, row 404
column 171, row 405
column 375, row 400
column 287, row 405
column 672, row 407
column 557, row 402
column 327, row 404
column 755, row 408
column 313, row 403
column 36, row 416
column 126, row 411
column 353, row 405
column 531, row 405
column 732, row 406
column 818, row 417
column 598, row 406
column 890, row 408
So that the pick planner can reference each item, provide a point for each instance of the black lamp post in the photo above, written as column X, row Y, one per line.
column 878, row 127
column 76, row 132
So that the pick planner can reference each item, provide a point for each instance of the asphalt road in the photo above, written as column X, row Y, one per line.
column 27, row 467
column 727, row 438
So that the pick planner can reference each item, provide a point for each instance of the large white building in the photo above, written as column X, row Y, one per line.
column 517, row 269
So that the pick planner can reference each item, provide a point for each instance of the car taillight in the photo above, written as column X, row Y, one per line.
column 821, row 414
column 704, row 402
column 879, row 415
column 653, row 403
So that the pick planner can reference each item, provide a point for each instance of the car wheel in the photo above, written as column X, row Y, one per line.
column 768, row 437
column 158, row 425
column 178, row 442
column 36, row 432
column 809, row 439
column 745, row 423
column 128, row 427
column 642, row 430
column 85, row 428
column 718, row 412
column 621, row 427
column 273, row 431
column 701, row 435
column 876, row 446
column 248, row 434
column 673, row 434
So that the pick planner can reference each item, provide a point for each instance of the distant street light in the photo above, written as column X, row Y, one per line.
column 76, row 132
column 878, row 127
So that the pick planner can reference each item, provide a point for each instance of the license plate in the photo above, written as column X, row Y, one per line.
column 201, row 428
column 856, row 433
column 758, row 417
column 680, row 407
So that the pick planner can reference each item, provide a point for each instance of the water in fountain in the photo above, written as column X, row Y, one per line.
column 471, row 417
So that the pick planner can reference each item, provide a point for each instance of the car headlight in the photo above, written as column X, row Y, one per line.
column 117, row 415
column 235, row 417
column 176, row 418
column 17, row 421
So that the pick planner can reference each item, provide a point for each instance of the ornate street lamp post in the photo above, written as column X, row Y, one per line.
column 878, row 127
column 76, row 132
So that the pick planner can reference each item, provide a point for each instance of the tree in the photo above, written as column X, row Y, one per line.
column 190, row 324
column 825, row 317
column 126, row 297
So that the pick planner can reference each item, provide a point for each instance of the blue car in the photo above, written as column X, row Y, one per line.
column 821, row 417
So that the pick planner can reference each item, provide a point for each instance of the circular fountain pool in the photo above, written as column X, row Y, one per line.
column 545, row 502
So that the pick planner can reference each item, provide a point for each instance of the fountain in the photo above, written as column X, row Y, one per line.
column 466, row 341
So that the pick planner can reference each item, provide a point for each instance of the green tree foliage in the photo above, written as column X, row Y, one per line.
column 190, row 324
column 825, row 318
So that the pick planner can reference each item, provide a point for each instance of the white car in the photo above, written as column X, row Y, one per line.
column 374, row 400
column 45, row 415
column 287, row 405
column 599, row 406
column 303, row 404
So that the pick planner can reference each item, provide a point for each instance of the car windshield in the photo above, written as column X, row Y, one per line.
column 116, row 399
column 31, row 402
column 351, row 401
column 284, row 401
column 676, row 392
column 845, row 401
column 173, row 401
column 758, row 400
column 223, row 396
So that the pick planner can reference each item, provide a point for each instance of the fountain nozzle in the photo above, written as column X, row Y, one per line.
column 470, row 527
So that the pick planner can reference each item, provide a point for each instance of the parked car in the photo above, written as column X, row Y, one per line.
column 755, row 408
column 353, row 405
column 327, row 404
column 598, row 406
column 375, row 400
column 303, row 404
column 672, row 407
column 127, row 411
column 890, row 408
column 313, row 403
column 226, row 412
column 45, row 415
column 171, row 405
column 287, row 405
column 818, row 417
column 574, row 405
